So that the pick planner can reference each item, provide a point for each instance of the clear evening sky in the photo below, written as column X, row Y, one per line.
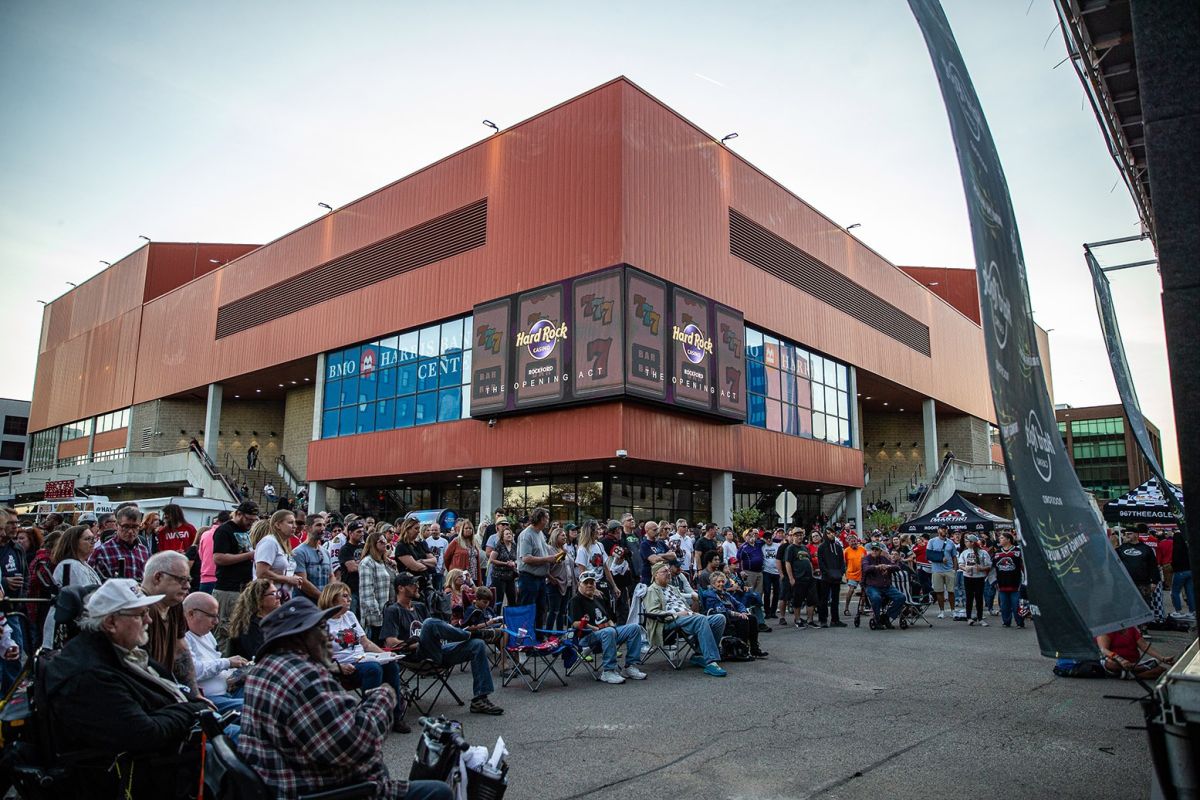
column 229, row 122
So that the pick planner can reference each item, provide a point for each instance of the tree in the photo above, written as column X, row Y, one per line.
column 744, row 518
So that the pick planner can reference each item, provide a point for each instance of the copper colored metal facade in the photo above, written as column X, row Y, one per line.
column 612, row 176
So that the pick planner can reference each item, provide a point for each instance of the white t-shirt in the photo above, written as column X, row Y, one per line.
column 729, row 550
column 592, row 558
column 438, row 547
column 270, row 552
column 347, row 636
column 769, row 551
column 687, row 544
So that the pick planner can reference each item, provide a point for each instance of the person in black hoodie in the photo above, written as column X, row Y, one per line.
column 1141, row 562
column 1182, row 581
column 107, row 698
column 832, row 564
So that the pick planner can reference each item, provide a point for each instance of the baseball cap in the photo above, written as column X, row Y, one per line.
column 972, row 538
column 357, row 525
column 570, row 526
column 119, row 594
column 613, row 525
column 248, row 507
column 874, row 546
column 502, row 521
column 658, row 567
column 587, row 576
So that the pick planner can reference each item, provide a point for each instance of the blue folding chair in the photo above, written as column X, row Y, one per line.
column 537, row 648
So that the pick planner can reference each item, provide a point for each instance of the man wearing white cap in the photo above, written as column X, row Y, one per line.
column 106, row 695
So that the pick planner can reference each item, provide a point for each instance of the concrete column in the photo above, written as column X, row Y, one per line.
column 722, row 498
column 92, row 442
column 929, row 418
column 318, row 398
column 854, row 509
column 855, row 412
column 491, row 492
column 212, row 420
column 316, row 496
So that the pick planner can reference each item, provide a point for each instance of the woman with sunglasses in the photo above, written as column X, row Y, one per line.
column 259, row 598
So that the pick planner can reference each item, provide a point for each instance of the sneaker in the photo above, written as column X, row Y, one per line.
column 697, row 661
column 800, row 625
column 764, row 628
column 824, row 625
column 783, row 622
column 942, row 615
column 759, row 653
column 611, row 676
column 400, row 726
column 971, row 622
column 983, row 623
column 633, row 673
column 838, row 624
column 482, row 705
column 715, row 670
column 1007, row 624
column 994, row 613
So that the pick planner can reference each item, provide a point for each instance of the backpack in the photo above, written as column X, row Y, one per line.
column 1070, row 668
column 734, row 649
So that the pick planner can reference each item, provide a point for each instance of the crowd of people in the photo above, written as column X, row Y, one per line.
column 229, row 616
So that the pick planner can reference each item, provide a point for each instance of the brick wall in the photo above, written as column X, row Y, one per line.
column 967, row 436
column 297, row 428
column 242, row 423
column 891, row 466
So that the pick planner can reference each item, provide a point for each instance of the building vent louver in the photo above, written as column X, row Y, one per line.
column 755, row 244
column 435, row 240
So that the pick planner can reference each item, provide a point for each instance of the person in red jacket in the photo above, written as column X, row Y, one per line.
column 1128, row 655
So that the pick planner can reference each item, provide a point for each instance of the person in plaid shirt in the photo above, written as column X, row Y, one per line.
column 303, row 733
column 124, row 555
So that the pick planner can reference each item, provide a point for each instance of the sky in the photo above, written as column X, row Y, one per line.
column 230, row 121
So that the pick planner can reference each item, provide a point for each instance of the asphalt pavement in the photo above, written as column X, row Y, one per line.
column 951, row 711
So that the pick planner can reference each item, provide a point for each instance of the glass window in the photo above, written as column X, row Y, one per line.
column 843, row 377
column 449, row 404
column 773, row 383
column 843, row 405
column 450, row 368
column 770, row 351
column 349, row 393
column 329, row 424
column 816, row 368
column 774, row 416
column 349, row 419
column 385, row 415
column 431, row 341
column 366, row 387
column 452, row 336
column 830, row 400
column 756, row 378
column 818, row 397
column 803, row 398
column 818, row 426
column 754, row 344
column 757, row 413
column 806, row 428
column 787, row 357
column 366, row 418
column 427, row 408
column 405, row 411
column 406, row 379
column 427, row 374
column 406, row 346
column 386, row 384
column 465, row 403
column 388, row 357
column 830, row 373
column 791, row 419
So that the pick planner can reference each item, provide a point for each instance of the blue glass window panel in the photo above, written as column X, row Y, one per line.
column 843, row 376
column 787, row 357
column 757, row 414
column 388, row 356
column 451, row 369
column 406, row 379
column 466, row 400
column 329, row 424
column 427, row 374
column 427, row 408
column 818, row 426
column 452, row 336
column 333, row 395
column 333, row 362
column 431, row 341
column 366, row 387
column 405, row 408
column 791, row 419
column 366, row 419
column 349, row 419
column 406, row 345
column 756, row 378
column 385, row 415
column 754, row 343
column 349, row 393
column 449, row 404
column 350, row 358
column 385, row 384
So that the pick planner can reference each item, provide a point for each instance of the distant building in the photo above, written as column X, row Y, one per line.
column 1102, row 449
column 15, row 434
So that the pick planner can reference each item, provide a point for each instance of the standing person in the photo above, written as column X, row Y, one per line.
column 176, row 533
column 632, row 542
column 503, row 562
column 831, row 561
column 728, row 546
column 799, row 571
column 771, row 588
column 943, row 556
column 1009, row 566
column 348, row 558
column 560, row 582
column 534, row 559
column 124, row 555
column 853, row 553
column 312, row 562
column 975, row 564
column 750, row 556
column 590, row 557
column 687, row 546
column 234, row 559
column 924, row 570
column 13, row 559
column 273, row 553
column 412, row 555
column 464, row 552
column 252, row 456
column 785, row 586
column 436, row 544
column 374, row 584
column 1182, row 579
column 653, row 550
column 1141, row 562
column 705, row 544
column 1165, row 549
column 204, row 550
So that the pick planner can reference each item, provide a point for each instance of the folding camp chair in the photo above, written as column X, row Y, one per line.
column 677, row 648
column 584, row 657
column 532, row 650
column 420, row 677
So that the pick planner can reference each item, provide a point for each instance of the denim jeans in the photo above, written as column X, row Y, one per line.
column 372, row 675
column 707, row 630
column 207, row 588
column 1182, row 582
column 1009, row 603
column 531, row 590
column 876, row 595
column 989, row 595
column 444, row 644
column 770, row 592
column 960, row 592
column 429, row 790
column 609, row 639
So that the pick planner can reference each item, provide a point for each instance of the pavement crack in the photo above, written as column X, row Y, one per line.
column 619, row 781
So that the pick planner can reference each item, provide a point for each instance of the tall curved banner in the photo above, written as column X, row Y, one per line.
column 1077, row 587
column 1121, row 376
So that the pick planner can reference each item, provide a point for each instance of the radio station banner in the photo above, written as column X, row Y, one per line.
column 1124, row 381
column 1077, row 587
column 613, row 333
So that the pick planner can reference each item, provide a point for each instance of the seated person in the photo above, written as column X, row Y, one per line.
column 458, row 594
column 481, row 619
column 219, row 678
column 716, row 600
column 592, row 619
column 351, row 645
column 107, row 697
column 407, row 628
column 1128, row 655
column 877, row 569
column 681, row 584
column 750, row 599
column 257, row 599
column 662, row 599
column 300, row 731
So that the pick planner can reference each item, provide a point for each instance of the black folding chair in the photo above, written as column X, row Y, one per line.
column 419, row 677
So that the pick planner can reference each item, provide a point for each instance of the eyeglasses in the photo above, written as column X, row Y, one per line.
column 208, row 614
column 184, row 580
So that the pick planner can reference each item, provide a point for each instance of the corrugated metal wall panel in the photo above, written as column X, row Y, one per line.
column 172, row 264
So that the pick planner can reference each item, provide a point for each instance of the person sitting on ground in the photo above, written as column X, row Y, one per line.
column 219, row 678
column 300, row 731
column 408, row 628
column 351, row 647
column 1128, row 655
column 259, row 598
column 662, row 599
column 592, row 619
column 877, row 569
column 718, row 601
column 106, row 696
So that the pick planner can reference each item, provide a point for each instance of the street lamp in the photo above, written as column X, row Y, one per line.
column 326, row 206
column 727, row 137
column 491, row 125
